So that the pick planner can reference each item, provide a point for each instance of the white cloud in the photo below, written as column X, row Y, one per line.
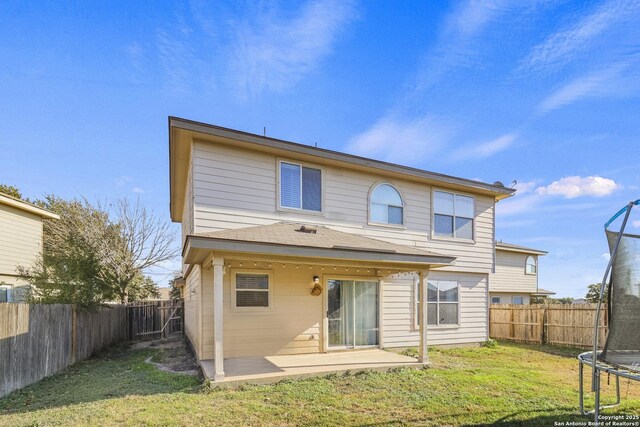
column 563, row 46
column 636, row 223
column 137, row 190
column 122, row 180
column 485, row 149
column 525, row 187
column 272, row 52
column 400, row 141
column 575, row 186
column 606, row 256
column 604, row 82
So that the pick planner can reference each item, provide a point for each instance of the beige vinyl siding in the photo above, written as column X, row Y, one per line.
column 234, row 188
column 192, row 298
column 398, row 311
column 290, row 326
column 20, row 239
column 187, row 214
column 510, row 273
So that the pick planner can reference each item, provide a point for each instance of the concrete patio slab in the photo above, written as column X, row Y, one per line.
column 270, row 369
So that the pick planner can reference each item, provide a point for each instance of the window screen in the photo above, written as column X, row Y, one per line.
column 300, row 187
column 252, row 290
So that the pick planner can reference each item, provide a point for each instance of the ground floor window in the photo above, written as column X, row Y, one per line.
column 518, row 300
column 252, row 290
column 5, row 293
column 495, row 300
column 442, row 302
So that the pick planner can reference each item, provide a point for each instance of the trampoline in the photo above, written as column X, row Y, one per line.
column 621, row 354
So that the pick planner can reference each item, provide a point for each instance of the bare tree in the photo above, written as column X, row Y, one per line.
column 140, row 241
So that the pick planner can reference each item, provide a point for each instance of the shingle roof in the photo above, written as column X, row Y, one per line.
column 518, row 248
column 544, row 292
column 290, row 234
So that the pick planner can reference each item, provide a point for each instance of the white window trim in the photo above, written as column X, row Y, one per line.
column 403, row 206
column 416, row 325
column 535, row 265
column 234, row 307
column 279, row 206
column 433, row 217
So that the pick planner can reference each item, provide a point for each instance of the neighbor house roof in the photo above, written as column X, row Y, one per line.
column 517, row 248
column 543, row 292
column 7, row 200
column 295, row 239
column 182, row 131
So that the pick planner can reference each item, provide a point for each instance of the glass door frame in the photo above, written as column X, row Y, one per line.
column 329, row 277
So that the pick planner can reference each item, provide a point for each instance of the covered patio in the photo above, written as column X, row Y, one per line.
column 317, row 309
column 270, row 369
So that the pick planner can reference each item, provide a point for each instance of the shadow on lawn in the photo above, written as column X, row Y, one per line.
column 536, row 418
column 567, row 352
column 116, row 372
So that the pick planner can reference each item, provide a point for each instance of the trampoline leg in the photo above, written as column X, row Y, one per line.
column 581, row 387
column 596, row 412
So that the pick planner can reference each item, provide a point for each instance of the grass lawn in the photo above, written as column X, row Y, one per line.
column 509, row 385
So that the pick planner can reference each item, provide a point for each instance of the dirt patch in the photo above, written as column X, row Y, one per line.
column 173, row 355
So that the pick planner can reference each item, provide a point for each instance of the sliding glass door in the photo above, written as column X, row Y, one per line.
column 353, row 313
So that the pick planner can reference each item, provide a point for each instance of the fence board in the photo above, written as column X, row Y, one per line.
column 558, row 324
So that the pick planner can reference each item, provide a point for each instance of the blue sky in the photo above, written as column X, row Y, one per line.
column 542, row 92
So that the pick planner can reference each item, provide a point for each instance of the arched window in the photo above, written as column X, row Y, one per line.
column 530, row 266
column 386, row 205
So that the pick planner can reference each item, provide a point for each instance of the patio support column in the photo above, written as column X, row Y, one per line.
column 423, row 275
column 218, row 352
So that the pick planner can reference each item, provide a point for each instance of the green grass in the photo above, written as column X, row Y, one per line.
column 507, row 384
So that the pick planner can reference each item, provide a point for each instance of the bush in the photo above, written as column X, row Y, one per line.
column 490, row 343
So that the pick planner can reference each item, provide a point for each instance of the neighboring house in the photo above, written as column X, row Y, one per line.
column 580, row 301
column 291, row 249
column 20, row 243
column 515, row 279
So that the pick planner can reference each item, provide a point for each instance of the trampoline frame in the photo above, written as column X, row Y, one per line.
column 590, row 358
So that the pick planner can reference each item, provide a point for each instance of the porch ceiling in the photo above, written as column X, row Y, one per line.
column 316, row 243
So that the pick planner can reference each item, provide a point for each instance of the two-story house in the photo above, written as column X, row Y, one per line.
column 20, row 243
column 292, row 249
column 515, row 279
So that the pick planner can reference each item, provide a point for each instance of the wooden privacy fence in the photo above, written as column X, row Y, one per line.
column 154, row 319
column 558, row 324
column 40, row 340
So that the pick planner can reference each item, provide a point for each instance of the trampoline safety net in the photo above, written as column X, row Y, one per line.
column 622, row 348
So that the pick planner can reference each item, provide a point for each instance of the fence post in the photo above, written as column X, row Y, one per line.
column 74, row 332
column 543, row 322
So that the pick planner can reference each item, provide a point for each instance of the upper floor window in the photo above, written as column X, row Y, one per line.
column 300, row 187
column 386, row 205
column 453, row 215
column 530, row 265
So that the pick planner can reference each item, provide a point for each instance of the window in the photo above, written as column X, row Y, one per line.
column 453, row 215
column 252, row 290
column 386, row 205
column 495, row 300
column 300, row 187
column 442, row 302
column 530, row 265
column 518, row 300
column 5, row 294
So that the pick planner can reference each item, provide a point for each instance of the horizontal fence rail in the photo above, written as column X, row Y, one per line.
column 38, row 340
column 557, row 324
